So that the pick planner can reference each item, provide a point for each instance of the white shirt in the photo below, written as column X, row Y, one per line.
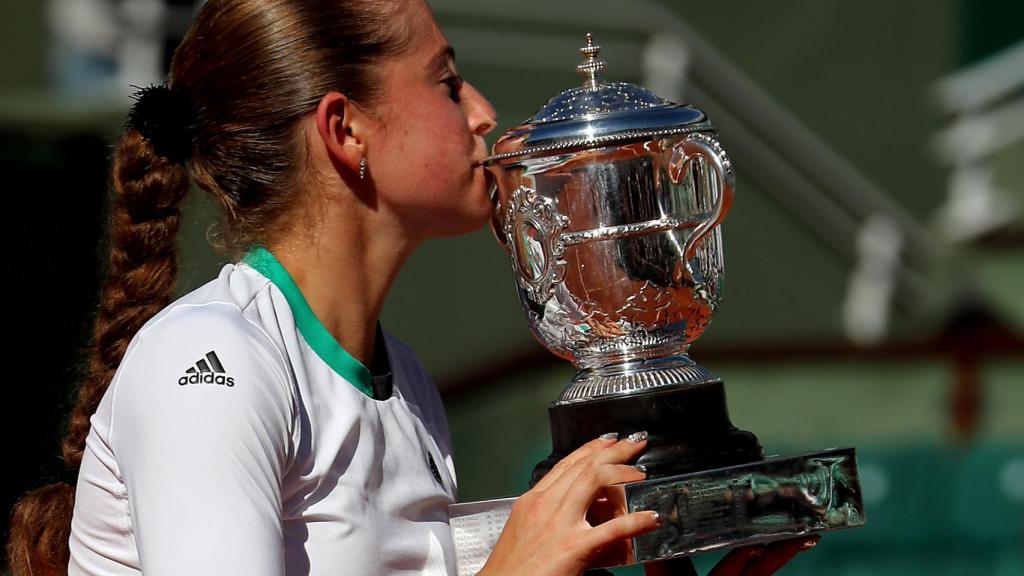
column 238, row 437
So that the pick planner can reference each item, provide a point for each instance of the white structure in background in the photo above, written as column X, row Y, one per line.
column 84, row 45
column 871, row 286
column 666, row 62
column 988, row 103
column 102, row 47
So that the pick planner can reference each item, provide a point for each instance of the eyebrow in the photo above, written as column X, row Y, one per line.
column 438, row 62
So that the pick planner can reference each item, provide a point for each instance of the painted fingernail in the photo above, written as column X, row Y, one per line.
column 641, row 468
column 610, row 436
column 656, row 516
column 637, row 436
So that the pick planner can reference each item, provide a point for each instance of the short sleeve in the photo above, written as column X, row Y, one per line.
column 201, row 428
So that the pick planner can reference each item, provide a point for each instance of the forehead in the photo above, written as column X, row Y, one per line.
column 428, row 46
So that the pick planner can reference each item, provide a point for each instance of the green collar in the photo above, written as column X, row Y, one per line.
column 315, row 333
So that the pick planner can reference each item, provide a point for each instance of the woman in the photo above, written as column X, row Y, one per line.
column 264, row 423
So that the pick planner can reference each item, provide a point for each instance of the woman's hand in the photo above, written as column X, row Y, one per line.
column 762, row 560
column 547, row 532
column 755, row 560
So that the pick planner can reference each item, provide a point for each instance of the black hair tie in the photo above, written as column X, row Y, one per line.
column 164, row 117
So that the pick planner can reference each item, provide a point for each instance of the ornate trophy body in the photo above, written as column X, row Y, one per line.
column 608, row 201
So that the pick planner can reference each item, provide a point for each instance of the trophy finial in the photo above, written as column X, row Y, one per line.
column 591, row 67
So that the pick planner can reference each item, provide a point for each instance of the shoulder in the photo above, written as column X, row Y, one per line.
column 227, row 297
column 212, row 327
column 202, row 365
column 213, row 337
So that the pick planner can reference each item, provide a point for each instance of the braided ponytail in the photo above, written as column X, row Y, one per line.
column 143, row 224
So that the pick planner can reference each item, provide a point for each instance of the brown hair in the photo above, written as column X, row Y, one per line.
column 249, row 69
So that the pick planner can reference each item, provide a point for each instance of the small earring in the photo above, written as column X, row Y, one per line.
column 362, row 169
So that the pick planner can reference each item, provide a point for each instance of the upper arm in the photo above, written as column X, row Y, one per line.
column 203, row 462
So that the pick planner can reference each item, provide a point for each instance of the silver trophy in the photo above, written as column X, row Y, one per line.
column 608, row 201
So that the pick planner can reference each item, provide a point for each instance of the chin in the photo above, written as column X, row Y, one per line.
column 463, row 222
column 463, row 227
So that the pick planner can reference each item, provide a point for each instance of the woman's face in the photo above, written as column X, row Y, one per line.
column 425, row 159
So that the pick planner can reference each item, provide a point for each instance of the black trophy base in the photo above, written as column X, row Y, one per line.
column 776, row 498
column 688, row 429
column 707, row 479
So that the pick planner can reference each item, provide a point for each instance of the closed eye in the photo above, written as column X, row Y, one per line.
column 454, row 86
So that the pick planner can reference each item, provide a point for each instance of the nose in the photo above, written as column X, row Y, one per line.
column 482, row 116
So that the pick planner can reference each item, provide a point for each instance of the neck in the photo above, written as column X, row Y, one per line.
column 345, row 270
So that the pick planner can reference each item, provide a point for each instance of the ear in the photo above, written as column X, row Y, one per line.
column 343, row 129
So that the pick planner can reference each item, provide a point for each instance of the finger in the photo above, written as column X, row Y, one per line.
column 622, row 451
column 617, row 453
column 599, row 451
column 575, row 456
column 620, row 528
column 585, row 487
column 736, row 560
column 778, row 554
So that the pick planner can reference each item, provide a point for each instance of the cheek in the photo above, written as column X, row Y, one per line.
column 425, row 173
column 433, row 144
column 442, row 161
column 429, row 155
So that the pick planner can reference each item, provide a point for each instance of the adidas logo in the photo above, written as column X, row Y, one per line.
column 208, row 370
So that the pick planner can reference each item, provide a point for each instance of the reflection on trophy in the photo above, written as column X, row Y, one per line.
column 608, row 201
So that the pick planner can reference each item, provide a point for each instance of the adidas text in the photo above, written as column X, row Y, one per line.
column 207, row 378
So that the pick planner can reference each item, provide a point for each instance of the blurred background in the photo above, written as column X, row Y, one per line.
column 874, row 254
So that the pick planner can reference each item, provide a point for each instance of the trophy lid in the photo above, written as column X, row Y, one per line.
column 597, row 114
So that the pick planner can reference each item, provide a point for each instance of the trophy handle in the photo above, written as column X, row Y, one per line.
column 705, row 146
